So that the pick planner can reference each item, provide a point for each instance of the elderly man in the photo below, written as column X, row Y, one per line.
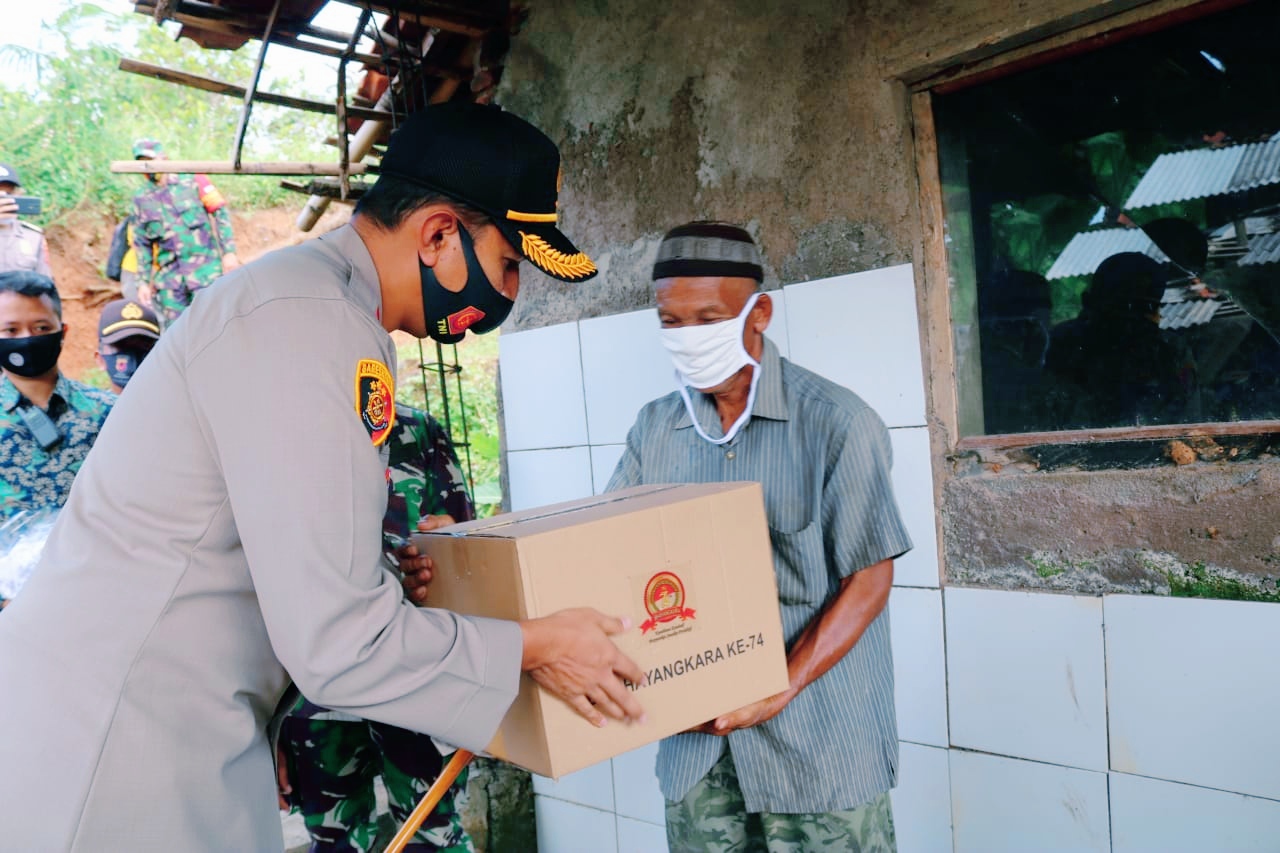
column 811, row 767
column 226, row 532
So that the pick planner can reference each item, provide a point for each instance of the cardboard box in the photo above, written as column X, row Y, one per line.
column 692, row 567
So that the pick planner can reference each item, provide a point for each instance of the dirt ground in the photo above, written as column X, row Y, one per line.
column 78, row 252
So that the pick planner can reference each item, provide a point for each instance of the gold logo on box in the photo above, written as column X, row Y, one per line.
column 664, row 601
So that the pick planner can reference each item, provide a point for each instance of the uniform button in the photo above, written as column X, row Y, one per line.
column 730, row 455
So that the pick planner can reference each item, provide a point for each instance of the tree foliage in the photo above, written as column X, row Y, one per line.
column 85, row 113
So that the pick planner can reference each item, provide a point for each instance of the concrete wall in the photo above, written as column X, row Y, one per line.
column 786, row 115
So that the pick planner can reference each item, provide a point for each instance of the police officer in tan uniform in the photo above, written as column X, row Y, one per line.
column 22, row 245
column 224, row 535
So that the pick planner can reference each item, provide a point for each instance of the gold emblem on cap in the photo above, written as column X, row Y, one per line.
column 517, row 216
column 553, row 261
column 131, row 311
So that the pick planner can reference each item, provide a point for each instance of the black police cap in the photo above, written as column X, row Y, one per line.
column 497, row 163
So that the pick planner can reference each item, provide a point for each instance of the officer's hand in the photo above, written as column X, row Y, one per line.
column 8, row 207
column 230, row 261
column 570, row 654
column 416, row 571
column 145, row 293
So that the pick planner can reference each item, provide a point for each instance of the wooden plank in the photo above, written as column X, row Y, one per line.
column 221, row 167
column 934, row 276
column 451, row 25
column 252, row 89
column 219, row 87
column 201, row 14
column 1085, row 436
column 290, row 37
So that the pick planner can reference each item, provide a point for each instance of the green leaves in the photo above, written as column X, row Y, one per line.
column 85, row 112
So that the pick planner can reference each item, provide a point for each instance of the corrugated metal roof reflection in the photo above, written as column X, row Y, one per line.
column 1186, row 175
column 1259, row 167
column 1193, row 312
column 1264, row 249
column 1207, row 172
column 1090, row 248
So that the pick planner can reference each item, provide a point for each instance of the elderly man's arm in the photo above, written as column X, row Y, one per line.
column 821, row 644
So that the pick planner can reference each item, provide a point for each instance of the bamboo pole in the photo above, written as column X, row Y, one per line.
column 182, row 78
column 429, row 801
column 252, row 89
column 221, row 167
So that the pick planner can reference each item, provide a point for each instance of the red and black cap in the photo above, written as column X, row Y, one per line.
column 497, row 163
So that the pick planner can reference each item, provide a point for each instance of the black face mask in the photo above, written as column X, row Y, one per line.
column 120, row 367
column 478, row 306
column 32, row 356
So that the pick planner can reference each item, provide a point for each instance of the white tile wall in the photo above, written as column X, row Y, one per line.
column 635, row 785
column 913, row 487
column 861, row 331
column 570, row 828
column 1194, row 690
column 1151, row 816
column 542, row 397
column 603, row 460
column 623, row 367
column 919, row 666
column 1025, row 675
column 636, row 836
column 1004, row 804
column 540, row 477
column 922, row 800
column 591, row 786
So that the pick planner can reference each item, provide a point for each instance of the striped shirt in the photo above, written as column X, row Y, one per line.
column 823, row 458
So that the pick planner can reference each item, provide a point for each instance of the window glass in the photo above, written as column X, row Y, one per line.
column 1113, row 231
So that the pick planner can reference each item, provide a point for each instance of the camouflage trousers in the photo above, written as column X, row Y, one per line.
column 332, row 767
column 712, row 818
column 173, row 295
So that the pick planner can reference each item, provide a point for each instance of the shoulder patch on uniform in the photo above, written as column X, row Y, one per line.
column 375, row 399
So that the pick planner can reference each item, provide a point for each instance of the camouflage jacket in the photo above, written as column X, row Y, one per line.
column 424, row 475
column 184, row 226
column 30, row 476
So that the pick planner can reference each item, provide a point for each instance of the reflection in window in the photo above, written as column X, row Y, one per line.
column 1113, row 230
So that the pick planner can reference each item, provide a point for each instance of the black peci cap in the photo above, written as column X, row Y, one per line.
column 497, row 163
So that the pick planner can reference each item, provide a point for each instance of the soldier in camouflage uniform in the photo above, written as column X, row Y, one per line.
column 181, row 222
column 333, row 758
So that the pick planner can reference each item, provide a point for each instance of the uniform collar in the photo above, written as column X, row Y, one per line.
column 365, row 290
column 771, row 396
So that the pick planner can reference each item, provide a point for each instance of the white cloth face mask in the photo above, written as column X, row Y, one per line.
column 706, row 355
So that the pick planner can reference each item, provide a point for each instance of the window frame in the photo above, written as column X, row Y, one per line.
column 947, row 371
